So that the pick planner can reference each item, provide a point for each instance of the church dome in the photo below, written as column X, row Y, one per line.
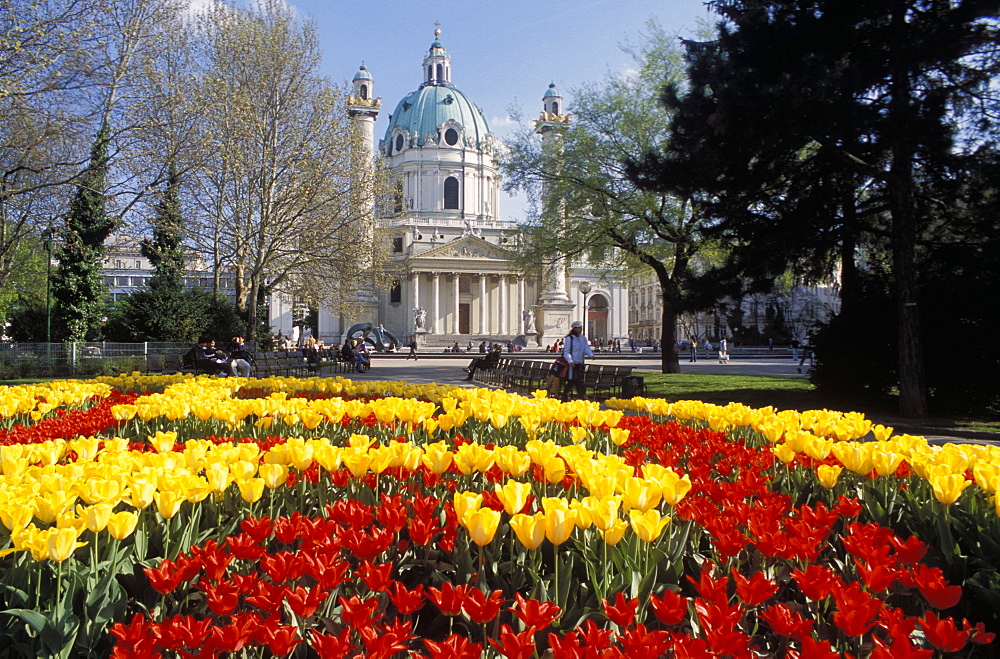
column 431, row 110
column 437, row 113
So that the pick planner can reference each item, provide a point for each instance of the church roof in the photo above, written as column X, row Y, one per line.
column 421, row 112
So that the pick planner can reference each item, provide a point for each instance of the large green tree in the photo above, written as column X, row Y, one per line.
column 586, row 207
column 833, row 108
column 78, row 286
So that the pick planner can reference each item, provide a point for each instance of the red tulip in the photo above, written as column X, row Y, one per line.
column 670, row 608
column 515, row 646
column 638, row 642
column 711, row 590
column 304, row 603
column 900, row 648
column 454, row 647
column 877, row 577
column 856, row 610
column 358, row 613
column 244, row 547
column 222, row 597
column 280, row 639
column 934, row 588
column 754, row 590
column 423, row 529
column 623, row 612
column 567, row 647
column 595, row 638
column 534, row 613
column 376, row 578
column 481, row 608
column 282, row 566
column 258, row 528
column 332, row 647
column 387, row 641
column 817, row 582
column 406, row 601
column 449, row 598
column 943, row 634
column 910, row 552
column 978, row 633
column 785, row 622
column 327, row 569
column 813, row 649
column 267, row 596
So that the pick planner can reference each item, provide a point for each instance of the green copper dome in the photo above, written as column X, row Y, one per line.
column 422, row 112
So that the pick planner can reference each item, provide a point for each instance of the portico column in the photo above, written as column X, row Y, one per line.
column 436, row 304
column 503, row 304
column 454, row 289
column 482, row 305
column 520, row 306
column 416, row 290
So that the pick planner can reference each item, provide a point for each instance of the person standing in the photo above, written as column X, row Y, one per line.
column 723, row 351
column 413, row 348
column 576, row 349
column 693, row 344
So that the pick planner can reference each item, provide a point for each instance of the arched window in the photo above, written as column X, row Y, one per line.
column 364, row 92
column 440, row 72
column 555, row 108
column 451, row 193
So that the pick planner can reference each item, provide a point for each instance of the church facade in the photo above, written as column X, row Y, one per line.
column 447, row 236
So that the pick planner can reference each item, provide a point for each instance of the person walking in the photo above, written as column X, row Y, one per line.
column 413, row 348
column 723, row 351
column 576, row 349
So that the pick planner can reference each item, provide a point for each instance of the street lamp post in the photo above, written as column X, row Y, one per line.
column 585, row 289
column 48, row 286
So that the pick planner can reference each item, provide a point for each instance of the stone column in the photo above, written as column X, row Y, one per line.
column 454, row 289
column 482, row 305
column 502, row 314
column 519, row 314
column 436, row 304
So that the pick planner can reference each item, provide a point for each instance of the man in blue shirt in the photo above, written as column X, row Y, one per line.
column 576, row 348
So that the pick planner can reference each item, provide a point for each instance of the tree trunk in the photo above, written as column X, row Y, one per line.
column 912, row 393
column 669, row 357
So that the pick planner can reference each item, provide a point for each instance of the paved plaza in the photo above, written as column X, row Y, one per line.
column 447, row 369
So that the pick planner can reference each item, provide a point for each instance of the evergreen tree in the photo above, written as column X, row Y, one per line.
column 78, row 287
column 165, row 249
column 825, row 118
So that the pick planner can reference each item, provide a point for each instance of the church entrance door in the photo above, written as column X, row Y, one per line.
column 464, row 318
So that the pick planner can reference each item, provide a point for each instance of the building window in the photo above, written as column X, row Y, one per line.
column 364, row 92
column 451, row 137
column 555, row 108
column 440, row 72
column 118, row 263
column 399, row 143
column 396, row 293
column 451, row 193
column 397, row 245
column 138, row 264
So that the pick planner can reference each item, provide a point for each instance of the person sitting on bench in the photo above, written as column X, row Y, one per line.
column 491, row 360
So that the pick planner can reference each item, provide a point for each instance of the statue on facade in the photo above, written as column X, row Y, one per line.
column 529, row 320
column 419, row 317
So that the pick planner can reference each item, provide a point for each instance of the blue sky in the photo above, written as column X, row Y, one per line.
column 504, row 52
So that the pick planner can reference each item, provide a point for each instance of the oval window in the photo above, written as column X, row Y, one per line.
column 451, row 137
column 399, row 143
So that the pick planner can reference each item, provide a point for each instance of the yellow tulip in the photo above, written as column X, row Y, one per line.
column 355, row 459
column 511, row 461
column 603, row 511
column 437, row 457
column 140, row 493
column 466, row 503
column 615, row 532
column 886, row 462
column 947, row 488
column 783, row 452
column 482, row 525
column 251, row 489
column 618, row 435
column 560, row 520
column 217, row 477
column 828, row 474
column 60, row 544
column 122, row 524
column 168, row 503
column 163, row 442
column 529, row 529
column 554, row 469
column 16, row 517
column 96, row 516
column 648, row 525
column 513, row 495
column 274, row 475
column 640, row 493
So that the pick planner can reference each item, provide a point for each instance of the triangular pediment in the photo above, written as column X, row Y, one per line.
column 465, row 248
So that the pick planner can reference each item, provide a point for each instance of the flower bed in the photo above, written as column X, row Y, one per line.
column 181, row 516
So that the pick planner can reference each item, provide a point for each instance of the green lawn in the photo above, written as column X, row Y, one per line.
column 787, row 394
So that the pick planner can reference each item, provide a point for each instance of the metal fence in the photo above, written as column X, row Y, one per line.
column 73, row 358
